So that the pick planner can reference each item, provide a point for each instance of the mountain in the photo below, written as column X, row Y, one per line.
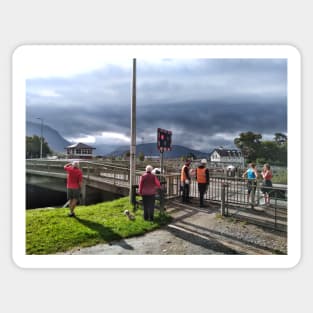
column 55, row 141
column 150, row 149
column 102, row 149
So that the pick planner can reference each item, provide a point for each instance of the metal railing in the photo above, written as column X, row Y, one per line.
column 274, row 212
column 229, row 191
column 232, row 194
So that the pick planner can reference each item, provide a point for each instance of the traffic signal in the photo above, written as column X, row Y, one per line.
column 164, row 140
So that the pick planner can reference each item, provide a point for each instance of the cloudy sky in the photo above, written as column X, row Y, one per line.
column 205, row 102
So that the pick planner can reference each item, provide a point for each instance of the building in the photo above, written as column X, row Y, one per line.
column 227, row 156
column 79, row 151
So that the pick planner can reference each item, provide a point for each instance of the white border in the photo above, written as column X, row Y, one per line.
column 19, row 61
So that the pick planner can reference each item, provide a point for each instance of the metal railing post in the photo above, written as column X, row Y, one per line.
column 253, row 190
column 223, row 199
column 275, row 210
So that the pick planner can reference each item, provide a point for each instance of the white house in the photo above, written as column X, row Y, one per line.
column 227, row 156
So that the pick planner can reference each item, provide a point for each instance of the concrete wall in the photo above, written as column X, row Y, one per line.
column 92, row 192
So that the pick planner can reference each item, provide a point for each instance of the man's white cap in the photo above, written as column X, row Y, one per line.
column 204, row 161
column 75, row 163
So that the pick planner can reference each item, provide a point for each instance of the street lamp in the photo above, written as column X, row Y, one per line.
column 41, row 138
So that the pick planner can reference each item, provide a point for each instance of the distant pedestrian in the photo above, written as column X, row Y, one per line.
column 203, row 179
column 267, row 182
column 185, row 181
column 74, row 185
column 252, row 175
column 148, row 187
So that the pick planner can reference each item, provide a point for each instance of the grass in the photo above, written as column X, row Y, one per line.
column 280, row 176
column 49, row 231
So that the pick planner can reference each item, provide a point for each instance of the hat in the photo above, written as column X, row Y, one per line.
column 75, row 163
column 149, row 168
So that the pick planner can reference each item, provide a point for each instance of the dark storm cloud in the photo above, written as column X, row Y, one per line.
column 198, row 99
column 196, row 123
column 82, row 105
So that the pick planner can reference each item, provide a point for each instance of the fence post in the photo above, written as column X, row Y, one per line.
column 161, row 195
column 258, row 194
column 170, row 185
column 223, row 199
column 133, row 197
column 254, row 188
column 84, row 194
column 275, row 209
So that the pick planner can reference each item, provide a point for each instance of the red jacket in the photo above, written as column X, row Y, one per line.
column 148, row 184
column 74, row 177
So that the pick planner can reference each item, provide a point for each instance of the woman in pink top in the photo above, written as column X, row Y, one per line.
column 267, row 182
column 148, row 186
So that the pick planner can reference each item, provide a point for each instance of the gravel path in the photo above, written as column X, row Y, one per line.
column 196, row 231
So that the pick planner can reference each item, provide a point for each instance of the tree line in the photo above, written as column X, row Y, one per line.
column 33, row 147
column 267, row 151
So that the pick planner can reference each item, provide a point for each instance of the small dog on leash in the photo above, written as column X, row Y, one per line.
column 129, row 215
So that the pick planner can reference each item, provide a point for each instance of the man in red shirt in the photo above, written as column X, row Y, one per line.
column 74, row 184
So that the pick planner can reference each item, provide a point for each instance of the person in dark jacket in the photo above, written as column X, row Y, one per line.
column 185, row 181
column 148, row 187
column 203, row 179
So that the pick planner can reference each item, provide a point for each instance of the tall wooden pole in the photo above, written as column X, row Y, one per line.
column 133, row 137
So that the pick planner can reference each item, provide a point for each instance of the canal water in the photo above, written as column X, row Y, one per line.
column 38, row 197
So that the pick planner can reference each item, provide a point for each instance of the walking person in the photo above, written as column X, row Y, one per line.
column 74, row 184
column 252, row 175
column 148, row 187
column 267, row 175
column 185, row 181
column 203, row 179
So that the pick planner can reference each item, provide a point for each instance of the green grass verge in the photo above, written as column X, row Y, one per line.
column 49, row 231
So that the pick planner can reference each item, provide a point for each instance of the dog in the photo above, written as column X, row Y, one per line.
column 129, row 215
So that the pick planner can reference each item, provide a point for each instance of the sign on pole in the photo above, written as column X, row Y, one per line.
column 164, row 140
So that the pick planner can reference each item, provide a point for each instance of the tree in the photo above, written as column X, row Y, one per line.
column 190, row 156
column 280, row 138
column 249, row 144
column 33, row 147
column 126, row 155
column 268, row 152
column 141, row 156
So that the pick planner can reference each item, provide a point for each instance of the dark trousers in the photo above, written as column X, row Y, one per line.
column 202, row 190
column 148, row 207
column 185, row 194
